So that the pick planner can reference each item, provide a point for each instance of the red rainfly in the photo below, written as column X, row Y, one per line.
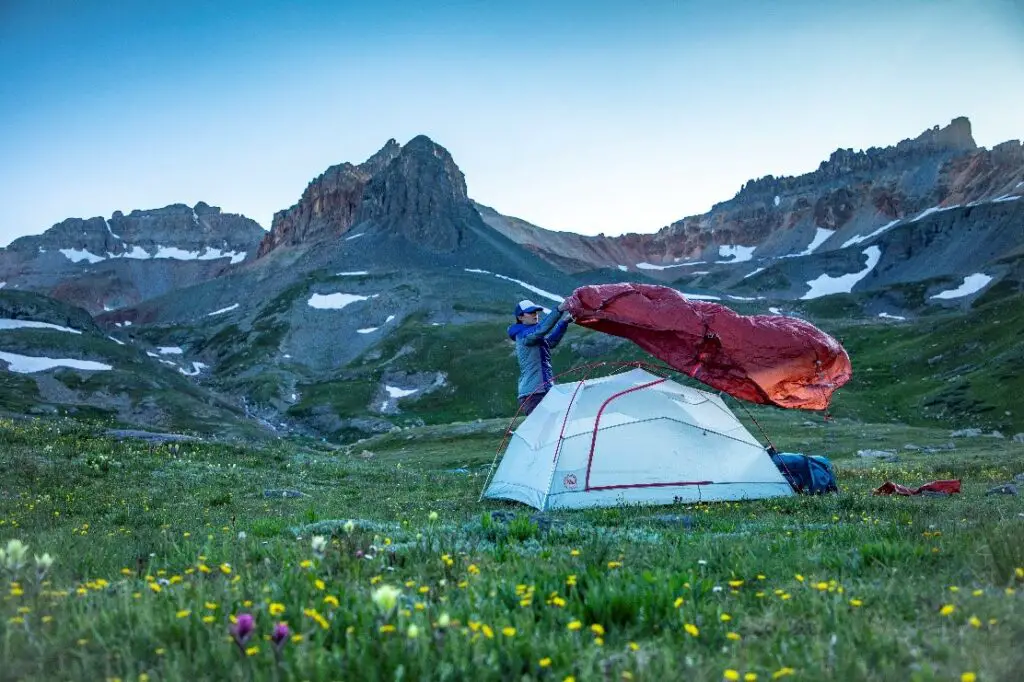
column 766, row 359
column 945, row 487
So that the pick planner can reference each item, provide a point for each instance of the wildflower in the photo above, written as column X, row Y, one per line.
column 331, row 600
column 305, row 563
column 44, row 562
column 735, row 583
column 544, row 662
column 241, row 535
column 209, row 619
column 968, row 677
column 386, row 597
column 315, row 615
column 203, row 568
column 212, row 606
column 276, row 609
column 432, row 516
column 126, row 571
column 184, row 613
column 782, row 672
column 570, row 580
column 319, row 584
column 242, row 630
column 473, row 569
column 508, row 631
column 1019, row 572
column 821, row 586
column 633, row 646
column 734, row 636
column 731, row 674
column 349, row 527
column 319, row 544
column 225, row 569
column 575, row 625
column 974, row 621
column 488, row 632
column 296, row 638
column 856, row 602
column 614, row 564
column 574, row 552
column 978, row 593
column 678, row 602
column 159, row 651
column 252, row 651
column 691, row 629
column 750, row 677
column 279, row 635
column 155, row 587
column 413, row 632
column 799, row 577
column 947, row 609
column 725, row 617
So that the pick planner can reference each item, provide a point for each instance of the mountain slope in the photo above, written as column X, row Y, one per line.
column 101, row 264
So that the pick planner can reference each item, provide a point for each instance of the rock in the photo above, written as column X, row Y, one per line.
column 149, row 436
column 285, row 493
column 1018, row 438
column 996, row 434
column 965, row 433
column 366, row 454
column 1004, row 489
column 684, row 520
column 876, row 453
column 911, row 446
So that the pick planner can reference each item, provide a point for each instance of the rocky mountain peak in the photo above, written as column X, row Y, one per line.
column 421, row 195
column 328, row 205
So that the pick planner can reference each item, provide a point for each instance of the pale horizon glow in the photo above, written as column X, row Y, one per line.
column 586, row 116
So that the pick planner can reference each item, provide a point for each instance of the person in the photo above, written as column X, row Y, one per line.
column 535, row 339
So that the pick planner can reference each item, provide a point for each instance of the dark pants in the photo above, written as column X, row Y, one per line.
column 527, row 403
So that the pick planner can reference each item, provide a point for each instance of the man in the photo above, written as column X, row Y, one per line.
column 535, row 340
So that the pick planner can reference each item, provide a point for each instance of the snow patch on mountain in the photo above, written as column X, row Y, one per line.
column 335, row 301
column 529, row 287
column 971, row 284
column 738, row 253
column 26, row 364
column 231, row 307
column 857, row 239
column 7, row 323
column 824, row 285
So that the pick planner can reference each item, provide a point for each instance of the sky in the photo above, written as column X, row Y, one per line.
column 592, row 116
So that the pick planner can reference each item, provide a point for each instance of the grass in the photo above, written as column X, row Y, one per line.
column 158, row 548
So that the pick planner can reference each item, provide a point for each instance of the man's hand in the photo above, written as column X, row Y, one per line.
column 561, row 307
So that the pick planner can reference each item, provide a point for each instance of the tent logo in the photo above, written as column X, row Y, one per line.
column 570, row 481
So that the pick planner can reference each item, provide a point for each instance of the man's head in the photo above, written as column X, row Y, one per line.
column 527, row 312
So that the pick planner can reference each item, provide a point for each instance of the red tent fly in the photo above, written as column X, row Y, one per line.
column 766, row 359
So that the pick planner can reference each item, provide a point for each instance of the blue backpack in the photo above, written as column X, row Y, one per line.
column 808, row 475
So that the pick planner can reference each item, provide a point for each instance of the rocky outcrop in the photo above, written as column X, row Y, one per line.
column 421, row 196
column 101, row 263
column 852, row 193
column 328, row 206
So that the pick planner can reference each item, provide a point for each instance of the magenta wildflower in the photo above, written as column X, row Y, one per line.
column 242, row 629
column 280, row 634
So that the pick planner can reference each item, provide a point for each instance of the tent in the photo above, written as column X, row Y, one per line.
column 632, row 437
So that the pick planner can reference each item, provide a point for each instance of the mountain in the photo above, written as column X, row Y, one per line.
column 379, row 299
column 108, row 263
column 940, row 178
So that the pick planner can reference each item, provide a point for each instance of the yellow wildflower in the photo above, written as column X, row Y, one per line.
column 968, row 677
column 799, row 577
column 734, row 636
column 276, row 609
column 731, row 674
column 974, row 621
column 691, row 629
column 544, row 662
column 725, row 617
column 597, row 629
column 947, row 609
column 473, row 569
column 782, row 672
column 252, row 651
column 209, row 619
column 508, row 631
column 575, row 625
column 305, row 563
column 678, row 602
column 331, row 600
column 155, row 587
column 735, row 583
column 633, row 646
column 488, row 632
column 184, row 613
column 750, row 677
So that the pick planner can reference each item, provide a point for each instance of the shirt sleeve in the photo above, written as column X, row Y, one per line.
column 543, row 328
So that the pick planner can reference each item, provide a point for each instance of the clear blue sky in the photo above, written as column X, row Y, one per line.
column 591, row 115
